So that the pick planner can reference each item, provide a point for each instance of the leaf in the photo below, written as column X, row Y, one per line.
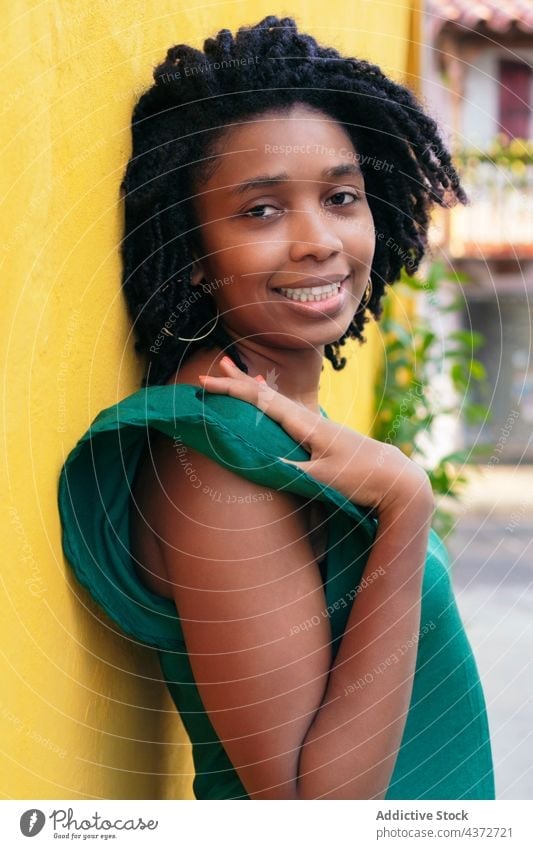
column 427, row 340
column 402, row 334
column 470, row 338
column 478, row 370
column 461, row 456
column 413, row 282
column 475, row 413
column 454, row 306
column 390, row 347
column 457, row 374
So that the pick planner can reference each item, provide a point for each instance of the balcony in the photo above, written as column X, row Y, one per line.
column 498, row 223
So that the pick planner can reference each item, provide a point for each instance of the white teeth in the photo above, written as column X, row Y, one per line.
column 308, row 293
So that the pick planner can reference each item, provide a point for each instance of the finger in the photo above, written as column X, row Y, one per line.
column 313, row 468
column 291, row 462
column 238, row 386
column 295, row 418
column 304, row 466
column 298, row 421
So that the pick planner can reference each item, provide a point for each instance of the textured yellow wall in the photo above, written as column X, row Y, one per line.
column 83, row 712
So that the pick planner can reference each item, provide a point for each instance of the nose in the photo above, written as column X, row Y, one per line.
column 312, row 234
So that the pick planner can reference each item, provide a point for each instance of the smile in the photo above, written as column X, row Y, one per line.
column 311, row 293
column 318, row 300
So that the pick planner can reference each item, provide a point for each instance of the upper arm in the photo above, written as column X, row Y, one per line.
column 245, row 582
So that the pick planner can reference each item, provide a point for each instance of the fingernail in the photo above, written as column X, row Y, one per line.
column 260, row 378
column 228, row 361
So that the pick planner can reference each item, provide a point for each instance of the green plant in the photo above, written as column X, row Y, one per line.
column 406, row 401
column 502, row 150
column 514, row 155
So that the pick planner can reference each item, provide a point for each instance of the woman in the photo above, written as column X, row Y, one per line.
column 301, row 605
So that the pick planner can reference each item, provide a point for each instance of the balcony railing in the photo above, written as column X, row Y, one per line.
column 498, row 223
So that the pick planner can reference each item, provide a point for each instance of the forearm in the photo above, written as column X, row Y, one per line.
column 352, row 744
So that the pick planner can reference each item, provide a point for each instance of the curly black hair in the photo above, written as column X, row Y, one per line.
column 176, row 124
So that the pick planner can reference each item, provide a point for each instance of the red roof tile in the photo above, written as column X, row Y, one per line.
column 494, row 15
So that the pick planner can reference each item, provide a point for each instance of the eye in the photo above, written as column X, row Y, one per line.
column 339, row 194
column 250, row 212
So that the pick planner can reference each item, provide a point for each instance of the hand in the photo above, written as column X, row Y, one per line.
column 370, row 473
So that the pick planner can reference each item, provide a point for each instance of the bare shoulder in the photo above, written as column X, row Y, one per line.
column 150, row 508
column 181, row 491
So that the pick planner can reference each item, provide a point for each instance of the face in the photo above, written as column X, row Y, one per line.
column 309, row 227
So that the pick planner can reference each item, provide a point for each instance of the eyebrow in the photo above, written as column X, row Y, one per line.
column 341, row 170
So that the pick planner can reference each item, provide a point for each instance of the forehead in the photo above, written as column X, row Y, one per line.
column 299, row 144
column 273, row 124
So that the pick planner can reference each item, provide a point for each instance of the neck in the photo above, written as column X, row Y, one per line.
column 294, row 373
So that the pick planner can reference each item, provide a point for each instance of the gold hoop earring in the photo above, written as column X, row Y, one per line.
column 195, row 338
column 361, row 305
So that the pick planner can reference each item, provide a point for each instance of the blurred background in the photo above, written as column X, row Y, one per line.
column 447, row 374
column 474, row 306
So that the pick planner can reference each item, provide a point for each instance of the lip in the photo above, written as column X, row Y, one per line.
column 328, row 307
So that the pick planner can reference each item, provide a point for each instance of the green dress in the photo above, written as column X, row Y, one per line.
column 445, row 751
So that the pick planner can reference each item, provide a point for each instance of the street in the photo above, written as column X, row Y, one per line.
column 492, row 565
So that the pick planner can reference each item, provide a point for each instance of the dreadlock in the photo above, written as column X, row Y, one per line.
column 176, row 124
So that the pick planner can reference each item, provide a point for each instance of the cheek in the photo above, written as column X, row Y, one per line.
column 363, row 243
column 245, row 253
column 371, row 248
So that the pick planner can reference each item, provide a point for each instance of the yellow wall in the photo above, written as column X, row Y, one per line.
column 83, row 710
